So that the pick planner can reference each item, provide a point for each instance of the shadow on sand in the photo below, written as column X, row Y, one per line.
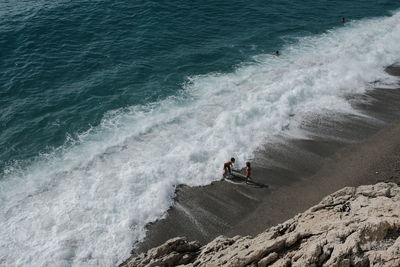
column 239, row 179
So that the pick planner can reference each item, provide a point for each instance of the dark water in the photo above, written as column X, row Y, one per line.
column 64, row 64
column 106, row 106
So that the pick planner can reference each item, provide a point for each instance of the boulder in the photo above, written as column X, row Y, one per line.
column 351, row 227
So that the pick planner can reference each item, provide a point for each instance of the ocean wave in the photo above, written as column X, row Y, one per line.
column 87, row 202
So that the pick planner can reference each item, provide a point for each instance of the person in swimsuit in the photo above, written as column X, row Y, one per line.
column 248, row 171
column 227, row 167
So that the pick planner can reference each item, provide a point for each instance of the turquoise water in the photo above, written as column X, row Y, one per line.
column 63, row 65
column 103, row 102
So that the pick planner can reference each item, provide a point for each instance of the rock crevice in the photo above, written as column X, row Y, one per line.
column 351, row 227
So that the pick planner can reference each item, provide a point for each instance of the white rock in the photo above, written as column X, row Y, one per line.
column 351, row 227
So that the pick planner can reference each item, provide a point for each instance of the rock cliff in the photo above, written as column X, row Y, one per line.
column 351, row 227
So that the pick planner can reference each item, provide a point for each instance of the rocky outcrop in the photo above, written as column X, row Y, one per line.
column 352, row 227
column 176, row 251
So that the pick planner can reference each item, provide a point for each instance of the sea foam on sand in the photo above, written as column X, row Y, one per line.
column 88, row 201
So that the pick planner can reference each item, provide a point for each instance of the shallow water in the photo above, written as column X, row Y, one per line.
column 106, row 107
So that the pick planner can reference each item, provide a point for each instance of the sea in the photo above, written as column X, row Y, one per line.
column 107, row 106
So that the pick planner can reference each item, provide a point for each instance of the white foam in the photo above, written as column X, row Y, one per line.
column 86, row 203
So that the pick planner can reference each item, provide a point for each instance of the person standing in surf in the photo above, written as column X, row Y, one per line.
column 227, row 167
column 248, row 172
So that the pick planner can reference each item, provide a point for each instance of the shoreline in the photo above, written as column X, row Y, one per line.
column 344, row 151
column 355, row 226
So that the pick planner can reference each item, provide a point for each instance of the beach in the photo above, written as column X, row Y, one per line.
column 340, row 151
column 117, row 117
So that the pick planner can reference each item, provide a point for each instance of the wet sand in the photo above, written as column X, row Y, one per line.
column 339, row 151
